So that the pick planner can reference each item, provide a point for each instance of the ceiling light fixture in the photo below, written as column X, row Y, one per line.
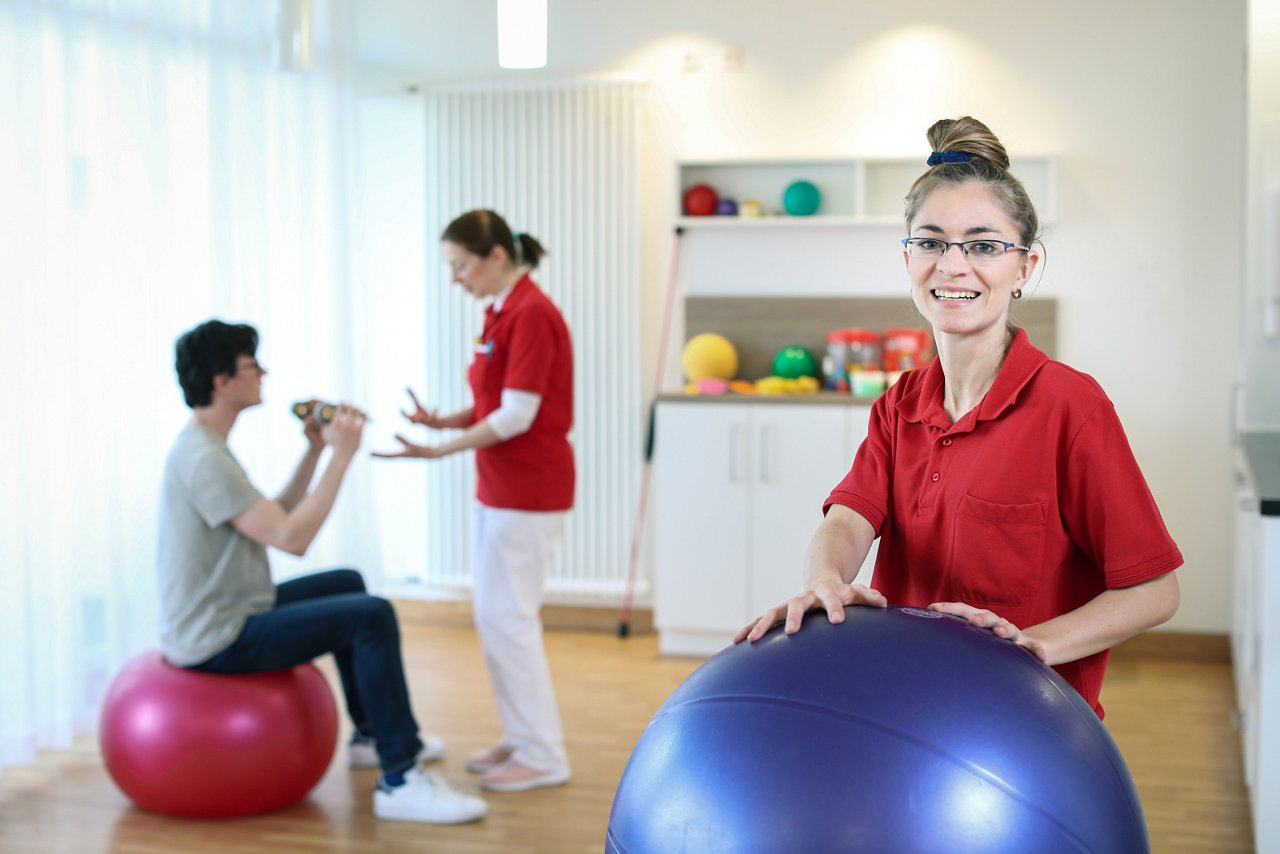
column 295, row 35
column 522, row 33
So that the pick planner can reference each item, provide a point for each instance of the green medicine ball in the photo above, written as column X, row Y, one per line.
column 801, row 199
column 793, row 362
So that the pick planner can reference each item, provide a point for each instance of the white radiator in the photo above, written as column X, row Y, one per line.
column 559, row 161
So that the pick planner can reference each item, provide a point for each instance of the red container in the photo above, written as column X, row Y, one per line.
column 864, row 349
column 905, row 349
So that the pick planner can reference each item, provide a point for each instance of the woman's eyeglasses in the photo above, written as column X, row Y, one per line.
column 976, row 251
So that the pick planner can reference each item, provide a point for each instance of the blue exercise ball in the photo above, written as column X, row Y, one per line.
column 898, row 730
column 801, row 198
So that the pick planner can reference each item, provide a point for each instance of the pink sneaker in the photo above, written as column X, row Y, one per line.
column 486, row 760
column 513, row 776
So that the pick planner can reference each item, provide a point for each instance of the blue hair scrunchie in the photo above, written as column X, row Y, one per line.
column 948, row 157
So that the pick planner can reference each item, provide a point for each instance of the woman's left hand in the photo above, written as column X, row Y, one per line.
column 998, row 625
column 410, row 449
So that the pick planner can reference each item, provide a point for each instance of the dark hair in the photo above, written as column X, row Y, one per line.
column 210, row 349
column 479, row 231
column 969, row 151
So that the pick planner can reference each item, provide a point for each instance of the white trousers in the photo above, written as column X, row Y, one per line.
column 512, row 553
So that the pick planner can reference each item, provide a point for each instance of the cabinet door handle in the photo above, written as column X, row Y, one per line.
column 767, row 438
column 1239, row 720
column 1233, row 426
column 735, row 453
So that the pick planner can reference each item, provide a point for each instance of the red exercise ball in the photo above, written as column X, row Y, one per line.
column 204, row 745
column 700, row 200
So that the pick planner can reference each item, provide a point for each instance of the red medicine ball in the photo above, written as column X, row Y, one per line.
column 700, row 200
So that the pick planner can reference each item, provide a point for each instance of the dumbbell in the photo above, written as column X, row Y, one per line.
column 324, row 412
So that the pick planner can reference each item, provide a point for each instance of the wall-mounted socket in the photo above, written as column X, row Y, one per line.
column 733, row 59
column 690, row 61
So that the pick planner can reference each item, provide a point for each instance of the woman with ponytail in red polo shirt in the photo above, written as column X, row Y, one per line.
column 1000, row 482
column 522, row 389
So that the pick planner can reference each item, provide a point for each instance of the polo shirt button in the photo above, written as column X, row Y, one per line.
column 946, row 442
column 935, row 477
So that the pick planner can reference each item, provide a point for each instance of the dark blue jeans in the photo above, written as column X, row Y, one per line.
column 331, row 612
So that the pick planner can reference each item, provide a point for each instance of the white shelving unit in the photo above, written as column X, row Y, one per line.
column 848, row 248
column 855, row 192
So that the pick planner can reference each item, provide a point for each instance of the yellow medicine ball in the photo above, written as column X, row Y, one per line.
column 709, row 355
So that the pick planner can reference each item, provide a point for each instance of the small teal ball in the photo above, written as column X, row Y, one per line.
column 801, row 198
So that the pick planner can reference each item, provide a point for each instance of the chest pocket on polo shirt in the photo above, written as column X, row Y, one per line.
column 998, row 551
column 490, row 369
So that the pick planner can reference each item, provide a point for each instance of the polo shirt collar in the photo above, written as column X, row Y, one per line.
column 510, row 294
column 1020, row 365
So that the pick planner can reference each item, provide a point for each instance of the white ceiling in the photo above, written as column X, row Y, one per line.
column 458, row 38
column 427, row 38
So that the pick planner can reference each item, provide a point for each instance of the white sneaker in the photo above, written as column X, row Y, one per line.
column 426, row 797
column 363, row 753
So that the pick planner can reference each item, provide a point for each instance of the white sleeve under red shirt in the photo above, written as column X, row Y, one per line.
column 515, row 413
column 525, row 347
column 1030, row 505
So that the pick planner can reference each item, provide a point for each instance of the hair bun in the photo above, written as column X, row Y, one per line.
column 966, row 136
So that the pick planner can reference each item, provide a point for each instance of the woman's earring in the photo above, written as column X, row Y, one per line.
column 1017, row 294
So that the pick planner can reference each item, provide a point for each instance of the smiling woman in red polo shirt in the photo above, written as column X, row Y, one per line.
column 1000, row 483
column 521, row 381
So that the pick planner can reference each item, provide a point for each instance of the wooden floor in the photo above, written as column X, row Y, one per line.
column 1170, row 718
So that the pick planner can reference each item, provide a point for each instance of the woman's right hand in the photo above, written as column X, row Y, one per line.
column 420, row 415
column 833, row 594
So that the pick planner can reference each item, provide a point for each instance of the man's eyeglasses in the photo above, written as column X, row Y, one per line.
column 976, row 251
column 251, row 365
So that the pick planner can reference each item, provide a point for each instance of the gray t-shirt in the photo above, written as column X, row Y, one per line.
column 212, row 577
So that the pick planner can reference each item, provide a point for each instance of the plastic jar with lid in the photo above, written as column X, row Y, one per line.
column 864, row 349
column 835, row 365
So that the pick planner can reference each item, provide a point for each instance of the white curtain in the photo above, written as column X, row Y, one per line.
column 158, row 167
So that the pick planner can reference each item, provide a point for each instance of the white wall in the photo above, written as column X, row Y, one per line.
column 1261, row 406
column 1143, row 103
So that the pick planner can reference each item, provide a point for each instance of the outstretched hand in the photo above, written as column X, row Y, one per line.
column 410, row 449
column 1000, row 627
column 421, row 415
column 831, row 594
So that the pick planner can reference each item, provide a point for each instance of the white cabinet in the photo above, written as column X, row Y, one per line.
column 1255, row 646
column 738, row 490
column 1243, row 624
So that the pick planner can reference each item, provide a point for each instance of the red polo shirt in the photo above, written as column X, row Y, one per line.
column 1030, row 505
column 525, row 347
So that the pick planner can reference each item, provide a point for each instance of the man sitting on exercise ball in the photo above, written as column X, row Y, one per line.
column 221, row 611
